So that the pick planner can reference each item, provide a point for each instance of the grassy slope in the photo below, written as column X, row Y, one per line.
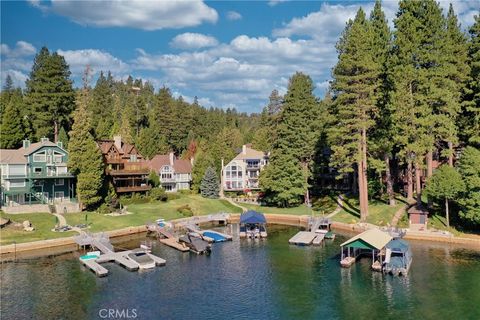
column 141, row 214
column 379, row 212
column 324, row 205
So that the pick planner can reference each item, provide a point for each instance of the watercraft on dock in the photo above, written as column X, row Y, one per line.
column 398, row 257
column 253, row 225
column 196, row 245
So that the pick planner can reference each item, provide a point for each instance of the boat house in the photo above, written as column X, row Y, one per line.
column 369, row 243
column 252, row 225
column 418, row 217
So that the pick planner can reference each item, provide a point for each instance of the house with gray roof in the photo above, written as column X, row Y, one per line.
column 36, row 174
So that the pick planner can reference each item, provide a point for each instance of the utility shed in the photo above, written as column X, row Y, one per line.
column 418, row 217
column 370, row 242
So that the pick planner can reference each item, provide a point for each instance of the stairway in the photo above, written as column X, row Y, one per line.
column 52, row 209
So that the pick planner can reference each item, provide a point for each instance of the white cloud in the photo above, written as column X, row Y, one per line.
column 21, row 49
column 273, row 3
column 18, row 77
column 193, row 41
column 140, row 14
column 97, row 60
column 233, row 15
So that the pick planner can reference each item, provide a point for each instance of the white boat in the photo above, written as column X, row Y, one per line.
column 142, row 258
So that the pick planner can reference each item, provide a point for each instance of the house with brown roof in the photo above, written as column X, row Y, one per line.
column 243, row 172
column 175, row 174
column 35, row 178
column 125, row 167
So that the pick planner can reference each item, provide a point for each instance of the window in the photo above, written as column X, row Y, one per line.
column 37, row 170
column 57, row 157
column 40, row 157
column 59, row 182
column 234, row 172
column 16, row 170
column 61, row 170
column 17, row 183
column 168, row 187
column 166, row 172
column 133, row 158
column 59, row 195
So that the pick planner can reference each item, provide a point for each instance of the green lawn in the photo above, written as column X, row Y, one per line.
column 141, row 214
column 379, row 212
column 323, row 205
column 42, row 222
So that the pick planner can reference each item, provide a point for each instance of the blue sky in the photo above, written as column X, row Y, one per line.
column 228, row 53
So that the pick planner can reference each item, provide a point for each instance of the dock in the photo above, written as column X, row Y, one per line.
column 167, row 237
column 102, row 243
column 194, row 228
column 306, row 238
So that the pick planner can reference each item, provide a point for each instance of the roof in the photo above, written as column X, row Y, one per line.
column 252, row 216
column 250, row 154
column 12, row 156
column 398, row 245
column 373, row 238
column 418, row 209
column 179, row 165
column 37, row 145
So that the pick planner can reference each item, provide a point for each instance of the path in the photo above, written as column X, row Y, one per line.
column 399, row 214
column 339, row 206
column 236, row 204
column 62, row 222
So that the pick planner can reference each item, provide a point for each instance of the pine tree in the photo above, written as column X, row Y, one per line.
column 202, row 161
column 63, row 138
column 355, row 82
column 150, row 142
column 469, row 168
column 381, row 144
column 102, row 107
column 471, row 113
column 13, row 131
column 50, row 96
column 85, row 158
column 283, row 181
column 210, row 185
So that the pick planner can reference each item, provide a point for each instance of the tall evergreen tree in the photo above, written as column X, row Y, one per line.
column 354, row 86
column 150, row 142
column 202, row 161
column 63, row 138
column 102, row 107
column 469, row 168
column 210, row 185
column 49, row 94
column 471, row 113
column 13, row 130
column 381, row 144
column 85, row 158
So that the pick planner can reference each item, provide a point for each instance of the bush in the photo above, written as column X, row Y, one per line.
column 185, row 210
column 187, row 192
column 172, row 196
column 158, row 194
column 136, row 198
column 105, row 208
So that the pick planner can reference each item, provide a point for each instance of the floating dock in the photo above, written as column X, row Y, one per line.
column 168, row 239
column 102, row 243
column 306, row 238
column 172, row 242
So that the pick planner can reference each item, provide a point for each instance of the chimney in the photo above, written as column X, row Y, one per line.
column 170, row 157
column 60, row 144
column 26, row 143
column 192, row 160
column 244, row 149
column 43, row 140
column 118, row 142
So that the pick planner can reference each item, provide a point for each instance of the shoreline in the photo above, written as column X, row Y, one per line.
column 67, row 244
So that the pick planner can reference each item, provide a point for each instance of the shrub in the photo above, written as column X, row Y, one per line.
column 185, row 210
column 105, row 208
column 157, row 194
column 173, row 196
column 185, row 192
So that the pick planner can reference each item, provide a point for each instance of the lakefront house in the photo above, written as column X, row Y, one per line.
column 35, row 178
column 125, row 167
column 243, row 172
column 175, row 174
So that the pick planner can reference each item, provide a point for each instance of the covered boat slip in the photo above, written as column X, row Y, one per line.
column 253, row 225
column 398, row 257
column 369, row 243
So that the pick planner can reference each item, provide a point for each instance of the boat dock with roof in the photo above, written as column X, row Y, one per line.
column 131, row 260
column 370, row 242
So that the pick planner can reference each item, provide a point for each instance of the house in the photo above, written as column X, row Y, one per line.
column 125, row 167
column 175, row 174
column 36, row 176
column 243, row 171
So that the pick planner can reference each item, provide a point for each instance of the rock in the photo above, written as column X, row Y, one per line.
column 29, row 229
column 26, row 224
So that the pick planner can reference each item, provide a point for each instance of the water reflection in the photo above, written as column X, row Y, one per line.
column 266, row 279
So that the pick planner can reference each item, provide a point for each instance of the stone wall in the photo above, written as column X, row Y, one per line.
column 25, row 208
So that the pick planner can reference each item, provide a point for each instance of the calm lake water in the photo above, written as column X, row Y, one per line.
column 246, row 279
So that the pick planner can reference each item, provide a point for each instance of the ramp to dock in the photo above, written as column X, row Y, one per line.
column 304, row 238
column 172, row 242
column 318, row 239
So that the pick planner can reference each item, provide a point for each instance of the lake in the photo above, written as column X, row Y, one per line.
column 247, row 279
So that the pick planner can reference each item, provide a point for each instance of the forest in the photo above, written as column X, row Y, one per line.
column 401, row 117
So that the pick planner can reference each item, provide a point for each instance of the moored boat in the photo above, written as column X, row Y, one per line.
column 398, row 257
column 141, row 257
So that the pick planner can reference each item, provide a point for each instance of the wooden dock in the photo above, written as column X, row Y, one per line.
column 318, row 239
column 95, row 267
column 173, row 242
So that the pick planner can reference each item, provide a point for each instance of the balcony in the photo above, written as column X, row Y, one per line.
column 253, row 167
column 128, row 172
column 132, row 188
column 44, row 175
column 168, row 180
column 113, row 160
